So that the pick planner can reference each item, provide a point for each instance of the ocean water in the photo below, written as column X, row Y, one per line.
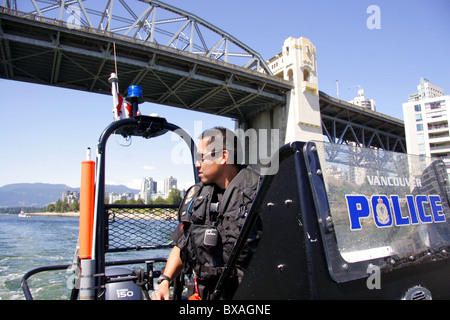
column 38, row 241
column 31, row 242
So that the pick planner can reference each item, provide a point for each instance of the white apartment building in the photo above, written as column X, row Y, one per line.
column 426, row 90
column 426, row 117
column 362, row 101
column 113, row 197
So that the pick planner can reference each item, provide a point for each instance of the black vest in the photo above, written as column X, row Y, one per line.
column 199, row 214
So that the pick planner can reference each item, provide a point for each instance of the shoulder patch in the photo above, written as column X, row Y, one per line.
column 191, row 193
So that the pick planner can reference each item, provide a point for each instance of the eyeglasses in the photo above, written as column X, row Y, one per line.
column 200, row 157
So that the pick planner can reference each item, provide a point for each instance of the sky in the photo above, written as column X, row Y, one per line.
column 46, row 130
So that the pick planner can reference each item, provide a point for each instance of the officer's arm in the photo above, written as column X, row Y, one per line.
column 173, row 268
column 174, row 265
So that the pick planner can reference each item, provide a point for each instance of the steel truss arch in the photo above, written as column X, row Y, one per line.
column 345, row 123
column 149, row 22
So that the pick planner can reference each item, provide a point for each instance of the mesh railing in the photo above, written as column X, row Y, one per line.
column 136, row 227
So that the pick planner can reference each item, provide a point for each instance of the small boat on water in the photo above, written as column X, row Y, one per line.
column 22, row 214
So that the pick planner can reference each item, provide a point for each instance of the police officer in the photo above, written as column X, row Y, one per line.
column 210, row 218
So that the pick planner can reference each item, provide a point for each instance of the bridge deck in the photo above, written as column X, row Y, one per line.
column 45, row 51
column 343, row 121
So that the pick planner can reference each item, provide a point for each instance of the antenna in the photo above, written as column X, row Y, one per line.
column 115, row 58
column 359, row 89
column 337, row 88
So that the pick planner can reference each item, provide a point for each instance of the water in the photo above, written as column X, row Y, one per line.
column 28, row 243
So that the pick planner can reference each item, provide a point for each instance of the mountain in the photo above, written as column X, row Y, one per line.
column 41, row 194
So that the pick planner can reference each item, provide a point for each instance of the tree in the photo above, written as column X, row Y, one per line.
column 65, row 207
column 123, row 201
column 74, row 206
column 174, row 197
column 159, row 200
column 58, row 206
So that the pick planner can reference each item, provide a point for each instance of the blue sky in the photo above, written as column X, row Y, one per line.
column 46, row 130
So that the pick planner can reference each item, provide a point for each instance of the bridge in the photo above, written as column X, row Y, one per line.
column 181, row 60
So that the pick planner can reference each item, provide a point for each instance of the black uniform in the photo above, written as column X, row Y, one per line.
column 210, row 222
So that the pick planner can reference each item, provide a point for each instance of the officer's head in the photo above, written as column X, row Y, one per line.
column 218, row 153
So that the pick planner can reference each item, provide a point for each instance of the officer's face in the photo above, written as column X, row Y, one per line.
column 209, row 162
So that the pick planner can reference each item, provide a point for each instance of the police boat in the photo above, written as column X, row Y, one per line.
column 336, row 222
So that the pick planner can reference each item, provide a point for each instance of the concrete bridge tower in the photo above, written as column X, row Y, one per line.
column 298, row 64
column 299, row 119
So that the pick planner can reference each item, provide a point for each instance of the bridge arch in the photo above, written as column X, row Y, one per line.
column 152, row 22
column 178, row 58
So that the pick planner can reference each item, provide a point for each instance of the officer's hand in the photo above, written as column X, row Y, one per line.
column 163, row 292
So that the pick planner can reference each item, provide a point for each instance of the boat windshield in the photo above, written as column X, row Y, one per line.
column 384, row 208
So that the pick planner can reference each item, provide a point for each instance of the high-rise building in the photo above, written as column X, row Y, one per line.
column 169, row 183
column 426, row 90
column 70, row 196
column 426, row 121
column 148, row 187
column 362, row 101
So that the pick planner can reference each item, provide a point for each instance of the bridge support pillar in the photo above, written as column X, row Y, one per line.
column 299, row 119
column 299, row 65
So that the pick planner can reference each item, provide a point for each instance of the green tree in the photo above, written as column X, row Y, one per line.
column 159, row 200
column 174, row 197
column 74, row 206
column 58, row 206
column 50, row 208
column 64, row 207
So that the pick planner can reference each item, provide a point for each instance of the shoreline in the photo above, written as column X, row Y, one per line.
column 143, row 216
column 54, row 214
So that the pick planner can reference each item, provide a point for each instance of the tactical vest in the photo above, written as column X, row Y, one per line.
column 203, row 250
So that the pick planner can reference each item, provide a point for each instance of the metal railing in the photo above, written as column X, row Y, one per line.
column 137, row 227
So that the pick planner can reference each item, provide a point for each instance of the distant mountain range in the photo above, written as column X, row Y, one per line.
column 41, row 194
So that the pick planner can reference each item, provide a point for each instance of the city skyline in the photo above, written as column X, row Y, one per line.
column 148, row 191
